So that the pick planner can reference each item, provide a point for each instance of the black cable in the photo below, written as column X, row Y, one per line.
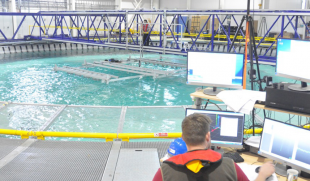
column 214, row 104
column 206, row 103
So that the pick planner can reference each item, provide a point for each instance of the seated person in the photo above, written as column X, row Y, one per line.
column 200, row 162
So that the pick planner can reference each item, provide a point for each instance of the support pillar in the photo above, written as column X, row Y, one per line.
column 164, row 31
column 12, row 8
column 118, row 4
column 188, row 5
column 304, row 5
column 155, row 6
column 126, row 28
column 72, row 8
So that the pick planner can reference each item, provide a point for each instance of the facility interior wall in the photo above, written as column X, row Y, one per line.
column 173, row 4
column 229, row 4
column 283, row 4
column 240, row 4
column 129, row 4
column 207, row 4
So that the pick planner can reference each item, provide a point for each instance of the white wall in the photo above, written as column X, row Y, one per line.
column 207, row 4
column 283, row 4
column 173, row 4
column 128, row 4
column 239, row 4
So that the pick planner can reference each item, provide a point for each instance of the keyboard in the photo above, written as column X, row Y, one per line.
column 234, row 156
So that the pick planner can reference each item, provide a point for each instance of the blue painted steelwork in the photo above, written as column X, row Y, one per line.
column 268, row 32
column 19, row 27
column 228, row 37
column 200, row 32
column 3, row 35
column 148, row 36
column 111, row 18
column 212, row 38
column 238, row 25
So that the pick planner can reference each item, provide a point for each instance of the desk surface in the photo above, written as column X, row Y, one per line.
column 200, row 94
column 253, row 159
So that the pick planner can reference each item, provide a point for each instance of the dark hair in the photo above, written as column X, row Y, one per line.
column 195, row 127
column 145, row 20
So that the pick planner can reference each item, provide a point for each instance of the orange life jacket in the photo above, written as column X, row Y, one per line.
column 208, row 156
column 199, row 165
column 145, row 27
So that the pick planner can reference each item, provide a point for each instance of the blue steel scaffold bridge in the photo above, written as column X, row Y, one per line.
column 121, row 29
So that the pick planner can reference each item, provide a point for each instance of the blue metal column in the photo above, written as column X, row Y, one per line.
column 228, row 37
column 120, row 28
column 296, row 26
column 40, row 25
column 160, row 30
column 62, row 31
column 87, row 27
column 212, row 37
column 78, row 27
column 138, row 32
column 282, row 26
column 177, row 26
column 56, row 21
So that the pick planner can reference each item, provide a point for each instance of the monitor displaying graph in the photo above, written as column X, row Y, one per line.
column 226, row 127
column 286, row 143
column 215, row 69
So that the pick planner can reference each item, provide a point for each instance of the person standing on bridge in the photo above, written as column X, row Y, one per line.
column 146, row 31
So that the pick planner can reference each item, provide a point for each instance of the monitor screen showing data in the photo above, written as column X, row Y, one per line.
column 293, row 59
column 286, row 143
column 215, row 69
column 226, row 127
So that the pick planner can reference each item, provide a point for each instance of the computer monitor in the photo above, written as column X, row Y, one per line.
column 226, row 127
column 215, row 70
column 293, row 62
column 286, row 143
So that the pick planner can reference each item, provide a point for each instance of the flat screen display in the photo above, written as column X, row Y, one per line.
column 226, row 127
column 215, row 69
column 286, row 143
column 293, row 59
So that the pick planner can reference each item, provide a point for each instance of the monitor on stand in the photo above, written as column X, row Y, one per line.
column 226, row 128
column 293, row 62
column 216, row 70
column 287, row 144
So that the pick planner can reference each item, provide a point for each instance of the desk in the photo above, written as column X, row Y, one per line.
column 200, row 95
column 253, row 159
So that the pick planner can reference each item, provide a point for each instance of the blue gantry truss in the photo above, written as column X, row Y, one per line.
column 121, row 29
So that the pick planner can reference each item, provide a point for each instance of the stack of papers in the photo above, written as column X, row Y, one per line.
column 253, row 141
column 241, row 100
column 249, row 171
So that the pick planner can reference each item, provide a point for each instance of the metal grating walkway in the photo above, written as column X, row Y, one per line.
column 69, row 160
column 58, row 160
column 8, row 145
column 161, row 146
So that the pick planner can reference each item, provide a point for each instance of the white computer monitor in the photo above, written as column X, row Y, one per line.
column 226, row 127
column 286, row 143
column 293, row 62
column 215, row 69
